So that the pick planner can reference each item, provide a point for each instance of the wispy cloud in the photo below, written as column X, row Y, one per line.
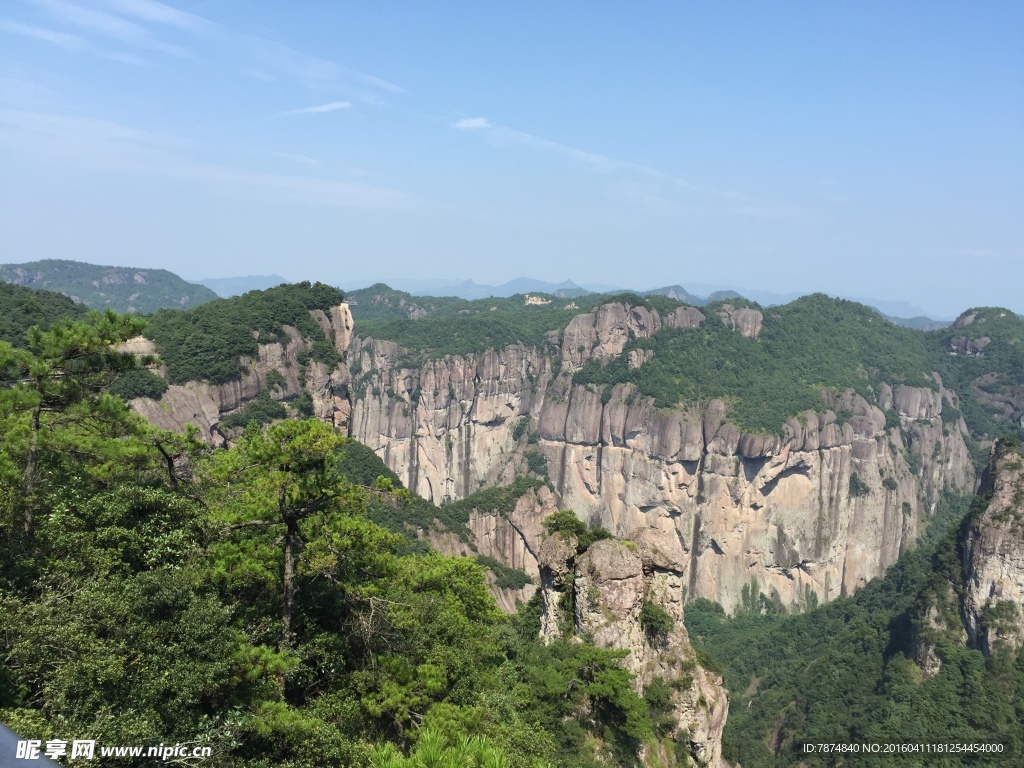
column 160, row 13
column 659, row 191
column 111, row 146
column 316, row 75
column 472, row 123
column 156, row 26
column 333, row 106
column 503, row 136
column 257, row 74
column 64, row 40
column 771, row 211
column 108, row 25
column 370, row 80
column 297, row 158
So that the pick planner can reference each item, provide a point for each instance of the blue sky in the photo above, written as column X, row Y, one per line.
column 872, row 148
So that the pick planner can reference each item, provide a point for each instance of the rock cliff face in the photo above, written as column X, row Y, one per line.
column 513, row 538
column 613, row 586
column 993, row 552
column 205, row 405
column 812, row 513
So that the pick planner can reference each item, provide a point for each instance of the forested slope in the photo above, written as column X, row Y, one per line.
column 123, row 289
column 153, row 590
column 21, row 308
column 280, row 600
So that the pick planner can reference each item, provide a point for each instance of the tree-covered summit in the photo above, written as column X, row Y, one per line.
column 205, row 343
column 123, row 289
column 21, row 308
column 809, row 344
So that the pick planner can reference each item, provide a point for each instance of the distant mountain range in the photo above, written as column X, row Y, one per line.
column 225, row 287
column 900, row 312
column 131, row 289
column 468, row 289
column 123, row 289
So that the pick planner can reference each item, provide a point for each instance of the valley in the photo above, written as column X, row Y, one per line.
column 771, row 465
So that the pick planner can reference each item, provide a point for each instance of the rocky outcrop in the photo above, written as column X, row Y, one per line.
column 993, row 552
column 938, row 621
column 513, row 538
column 603, row 334
column 744, row 319
column 205, row 405
column 556, row 557
column 965, row 345
column 614, row 587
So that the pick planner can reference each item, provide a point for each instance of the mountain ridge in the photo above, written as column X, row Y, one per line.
column 123, row 289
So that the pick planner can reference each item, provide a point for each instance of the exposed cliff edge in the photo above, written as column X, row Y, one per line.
column 278, row 369
column 513, row 538
column 993, row 557
column 812, row 513
column 608, row 594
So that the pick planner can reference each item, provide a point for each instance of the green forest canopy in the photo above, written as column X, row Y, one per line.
column 123, row 289
column 808, row 345
column 205, row 343
column 21, row 308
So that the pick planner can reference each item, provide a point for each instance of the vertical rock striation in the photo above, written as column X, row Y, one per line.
column 993, row 554
column 812, row 513
column 613, row 583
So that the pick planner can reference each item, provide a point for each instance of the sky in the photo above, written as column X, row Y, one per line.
column 869, row 149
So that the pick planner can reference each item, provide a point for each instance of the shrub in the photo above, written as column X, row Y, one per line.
column 536, row 463
column 520, row 428
column 506, row 577
column 262, row 409
column 566, row 522
column 303, row 404
column 275, row 380
column 658, row 696
column 892, row 420
column 141, row 382
column 656, row 622
column 950, row 415
column 857, row 486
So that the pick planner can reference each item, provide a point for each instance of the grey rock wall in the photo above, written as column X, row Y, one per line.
column 812, row 513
